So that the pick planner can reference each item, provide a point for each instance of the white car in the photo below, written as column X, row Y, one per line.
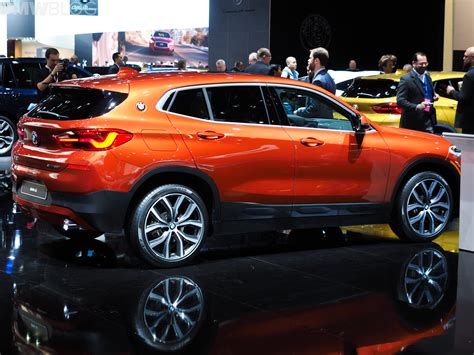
column 343, row 78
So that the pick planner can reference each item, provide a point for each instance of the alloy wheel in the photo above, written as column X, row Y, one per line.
column 428, row 207
column 7, row 136
column 174, row 227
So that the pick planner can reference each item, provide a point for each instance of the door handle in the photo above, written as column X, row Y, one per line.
column 211, row 135
column 311, row 142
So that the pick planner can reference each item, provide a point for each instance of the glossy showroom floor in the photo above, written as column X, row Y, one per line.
column 359, row 291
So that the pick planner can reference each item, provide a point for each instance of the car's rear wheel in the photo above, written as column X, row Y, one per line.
column 423, row 208
column 169, row 225
column 8, row 136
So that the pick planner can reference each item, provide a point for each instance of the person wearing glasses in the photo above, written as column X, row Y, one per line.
column 465, row 95
column 415, row 96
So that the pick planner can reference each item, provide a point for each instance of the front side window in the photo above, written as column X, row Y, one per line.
column 190, row 103
column 306, row 109
column 239, row 104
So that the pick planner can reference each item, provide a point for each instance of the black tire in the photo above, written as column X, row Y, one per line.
column 173, row 240
column 425, row 198
column 8, row 136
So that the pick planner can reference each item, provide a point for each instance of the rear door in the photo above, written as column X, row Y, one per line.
column 250, row 160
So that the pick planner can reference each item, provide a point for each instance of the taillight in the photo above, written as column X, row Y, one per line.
column 391, row 108
column 93, row 139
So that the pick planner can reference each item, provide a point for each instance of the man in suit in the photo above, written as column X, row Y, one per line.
column 465, row 96
column 415, row 96
column 262, row 66
column 118, row 62
column 319, row 76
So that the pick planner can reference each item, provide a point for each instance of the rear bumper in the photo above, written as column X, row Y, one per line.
column 103, row 211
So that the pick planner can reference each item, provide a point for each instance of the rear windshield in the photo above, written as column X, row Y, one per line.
column 371, row 89
column 77, row 104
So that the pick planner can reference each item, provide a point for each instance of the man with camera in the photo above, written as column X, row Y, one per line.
column 54, row 71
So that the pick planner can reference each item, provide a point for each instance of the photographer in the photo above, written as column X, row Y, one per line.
column 54, row 71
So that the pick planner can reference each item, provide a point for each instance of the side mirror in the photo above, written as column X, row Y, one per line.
column 361, row 127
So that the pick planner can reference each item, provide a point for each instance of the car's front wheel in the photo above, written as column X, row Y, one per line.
column 423, row 208
column 169, row 225
column 8, row 136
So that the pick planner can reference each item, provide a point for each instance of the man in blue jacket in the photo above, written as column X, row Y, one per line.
column 319, row 76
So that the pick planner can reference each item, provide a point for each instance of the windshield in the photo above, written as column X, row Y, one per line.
column 162, row 34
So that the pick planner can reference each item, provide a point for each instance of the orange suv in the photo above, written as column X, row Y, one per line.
column 171, row 158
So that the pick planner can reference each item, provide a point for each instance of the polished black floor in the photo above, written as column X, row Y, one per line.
column 314, row 292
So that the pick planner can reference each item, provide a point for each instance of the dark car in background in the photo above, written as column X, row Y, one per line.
column 18, row 91
column 162, row 41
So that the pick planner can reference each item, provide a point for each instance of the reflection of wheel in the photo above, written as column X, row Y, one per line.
column 425, row 292
column 423, row 208
column 169, row 226
column 170, row 314
column 8, row 136
column 424, row 279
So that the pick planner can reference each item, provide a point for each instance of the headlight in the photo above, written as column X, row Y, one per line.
column 455, row 151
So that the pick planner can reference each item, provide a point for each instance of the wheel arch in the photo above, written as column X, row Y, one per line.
column 442, row 167
column 202, row 183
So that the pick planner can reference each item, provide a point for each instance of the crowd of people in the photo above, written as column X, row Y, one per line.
column 415, row 92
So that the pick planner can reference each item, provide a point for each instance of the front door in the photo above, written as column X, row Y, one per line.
column 334, row 164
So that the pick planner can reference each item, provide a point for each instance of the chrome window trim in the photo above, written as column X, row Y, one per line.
column 162, row 101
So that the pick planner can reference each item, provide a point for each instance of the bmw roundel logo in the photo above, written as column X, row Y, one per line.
column 34, row 138
column 141, row 106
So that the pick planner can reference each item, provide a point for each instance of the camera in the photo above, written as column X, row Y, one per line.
column 65, row 63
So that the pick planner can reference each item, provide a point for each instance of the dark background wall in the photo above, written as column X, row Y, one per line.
column 83, row 47
column 360, row 30
column 236, row 28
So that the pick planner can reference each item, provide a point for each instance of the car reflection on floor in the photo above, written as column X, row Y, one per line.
column 313, row 292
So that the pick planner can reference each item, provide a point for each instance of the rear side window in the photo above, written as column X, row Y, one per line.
column 76, row 104
column 190, row 103
column 241, row 104
column 26, row 74
column 371, row 89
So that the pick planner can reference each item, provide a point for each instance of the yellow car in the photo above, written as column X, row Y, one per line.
column 376, row 97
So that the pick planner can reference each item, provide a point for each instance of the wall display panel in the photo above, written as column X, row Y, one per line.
column 361, row 30
column 161, row 46
column 137, row 30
